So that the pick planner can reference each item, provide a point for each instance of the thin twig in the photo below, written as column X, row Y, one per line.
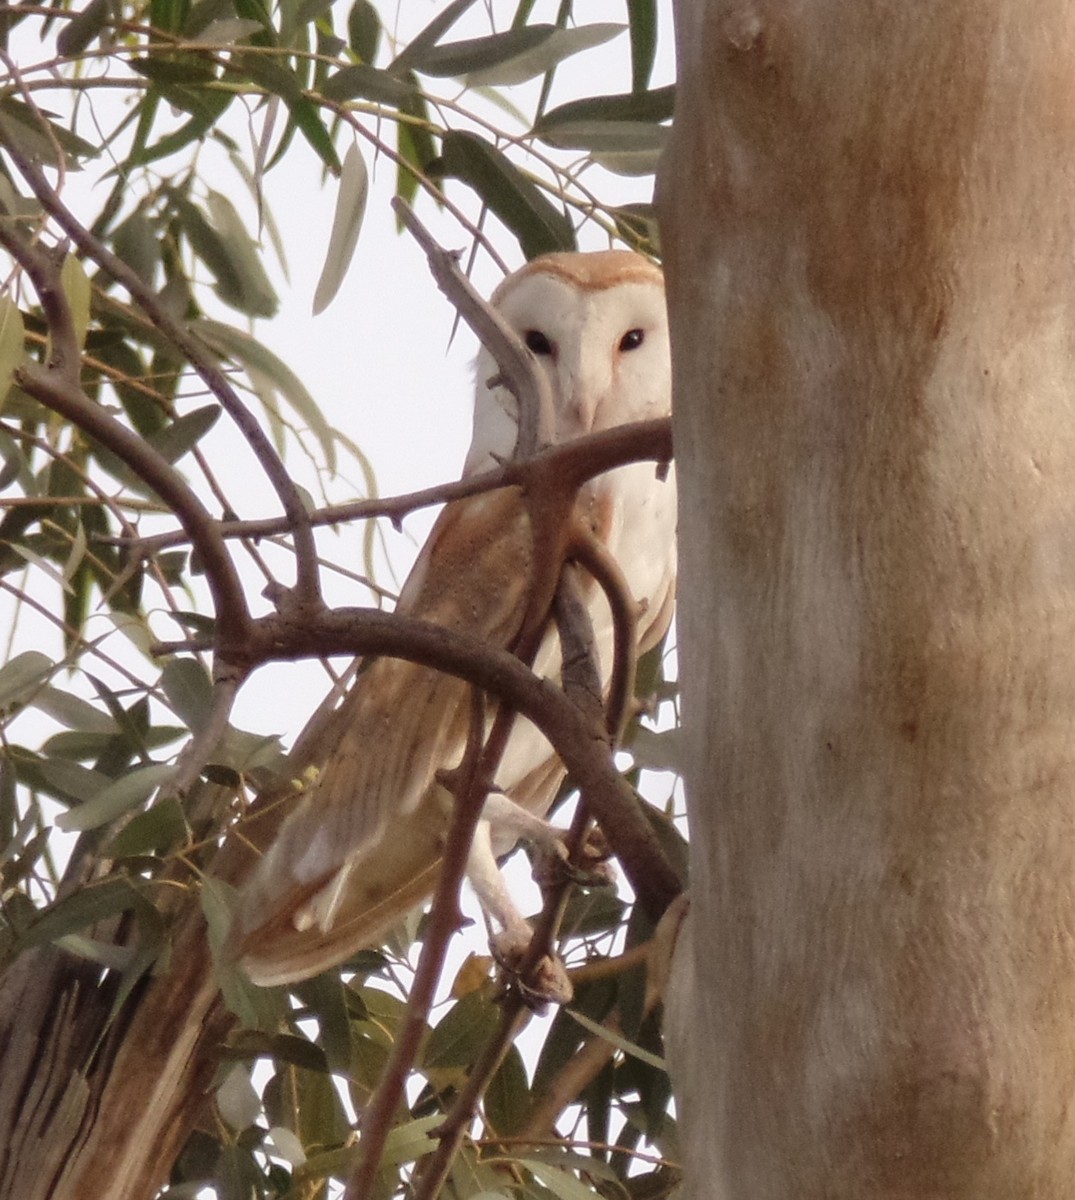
column 514, row 361
column 576, row 461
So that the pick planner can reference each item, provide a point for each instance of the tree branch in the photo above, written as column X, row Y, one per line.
column 58, row 388
column 575, row 461
column 517, row 366
column 193, row 349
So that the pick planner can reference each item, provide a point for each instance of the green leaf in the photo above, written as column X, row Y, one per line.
column 368, row 83
column 116, row 799
column 159, row 829
column 257, row 1008
column 183, row 434
column 507, row 1099
column 642, row 16
column 83, row 27
column 539, row 226
column 188, row 69
column 189, row 690
column 73, row 711
column 620, row 1042
column 254, row 294
column 70, row 781
column 136, row 242
column 429, row 36
column 30, row 131
column 457, row 1040
column 258, row 361
column 560, row 1183
column 656, row 105
column 21, row 676
column 76, row 288
column 483, row 53
column 307, row 116
column 346, row 223
column 364, row 30
column 545, row 54
column 90, row 904
column 12, row 344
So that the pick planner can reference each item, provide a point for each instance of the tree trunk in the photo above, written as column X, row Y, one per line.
column 868, row 227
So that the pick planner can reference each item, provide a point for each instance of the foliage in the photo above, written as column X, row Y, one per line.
column 143, row 96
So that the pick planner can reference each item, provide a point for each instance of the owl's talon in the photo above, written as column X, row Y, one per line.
column 547, row 982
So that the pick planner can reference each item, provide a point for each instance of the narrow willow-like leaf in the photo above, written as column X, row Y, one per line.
column 429, row 36
column 559, row 45
column 181, row 435
column 539, row 226
column 307, row 116
column 83, row 27
column 37, row 137
column 22, row 675
column 560, row 1183
column 642, row 18
column 82, row 908
column 73, row 711
column 482, row 53
column 156, row 831
column 189, row 690
column 12, row 343
column 364, row 30
column 253, row 294
column 346, row 223
column 363, row 82
column 76, row 288
column 653, row 106
column 507, row 1098
column 615, row 1039
column 116, row 799
column 250, row 353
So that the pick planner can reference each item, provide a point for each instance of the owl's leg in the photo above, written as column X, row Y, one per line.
column 591, row 868
column 548, row 980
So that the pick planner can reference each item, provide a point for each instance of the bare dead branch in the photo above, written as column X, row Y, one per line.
column 517, row 366
column 576, row 461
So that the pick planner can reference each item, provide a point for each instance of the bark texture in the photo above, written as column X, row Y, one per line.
column 869, row 215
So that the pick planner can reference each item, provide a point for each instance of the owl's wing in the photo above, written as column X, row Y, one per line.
column 362, row 846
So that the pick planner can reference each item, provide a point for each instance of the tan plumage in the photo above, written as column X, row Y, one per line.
column 363, row 845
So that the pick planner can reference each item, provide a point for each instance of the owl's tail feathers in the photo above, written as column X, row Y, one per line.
column 301, row 930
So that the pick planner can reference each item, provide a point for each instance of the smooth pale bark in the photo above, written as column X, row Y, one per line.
column 869, row 226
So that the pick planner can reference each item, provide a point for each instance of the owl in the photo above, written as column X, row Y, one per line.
column 364, row 843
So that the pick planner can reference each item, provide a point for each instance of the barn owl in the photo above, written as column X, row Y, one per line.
column 363, row 844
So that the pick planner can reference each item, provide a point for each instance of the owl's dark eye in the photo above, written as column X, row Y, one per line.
column 632, row 339
column 537, row 343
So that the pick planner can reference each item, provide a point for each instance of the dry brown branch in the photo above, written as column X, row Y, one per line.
column 576, row 461
column 515, row 362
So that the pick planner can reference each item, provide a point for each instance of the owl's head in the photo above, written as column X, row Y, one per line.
column 597, row 325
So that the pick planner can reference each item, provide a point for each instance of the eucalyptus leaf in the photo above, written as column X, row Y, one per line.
column 81, row 909
column 116, row 799
column 362, row 82
column 12, row 343
column 73, row 711
column 180, row 436
column 189, row 690
column 519, row 203
column 22, row 675
column 346, row 223
column 542, row 58
column 76, row 289
column 250, row 353
column 254, row 295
